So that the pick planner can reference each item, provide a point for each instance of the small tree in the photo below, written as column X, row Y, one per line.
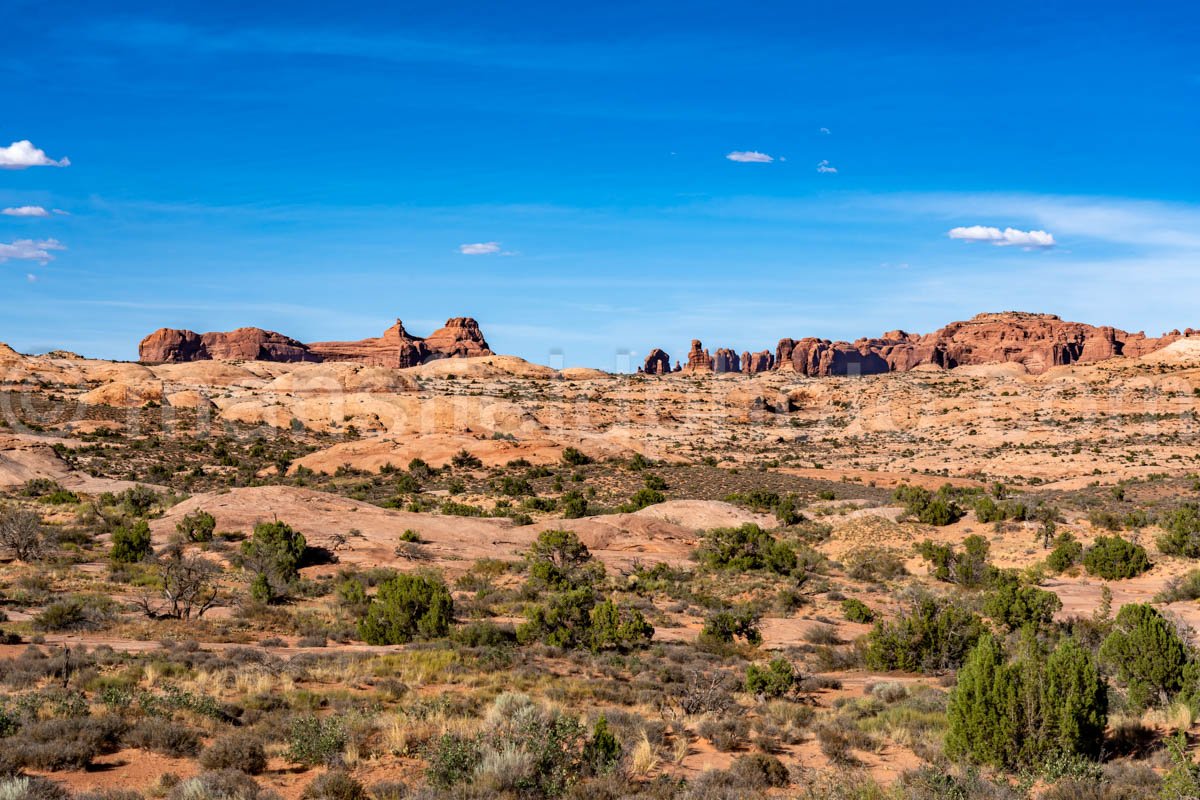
column 1146, row 654
column 187, row 584
column 1014, row 606
column 564, row 620
column 131, row 542
column 934, row 636
column 559, row 560
column 21, row 534
column 1014, row 713
column 272, row 556
column 968, row 567
column 408, row 607
column 197, row 526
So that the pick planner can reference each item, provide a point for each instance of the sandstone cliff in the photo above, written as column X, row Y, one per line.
column 1035, row 341
column 396, row 348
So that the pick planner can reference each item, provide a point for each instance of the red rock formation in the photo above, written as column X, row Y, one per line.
column 247, row 344
column 396, row 348
column 726, row 360
column 754, row 363
column 698, row 359
column 1036, row 341
column 657, row 363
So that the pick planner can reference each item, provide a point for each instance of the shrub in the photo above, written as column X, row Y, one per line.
column 927, row 507
column 574, row 457
column 335, row 785
column 746, row 548
column 760, row 771
column 463, row 459
column 272, row 555
column 227, row 784
column 1067, row 553
column 856, row 610
column 452, row 760
column 239, row 750
column 968, row 567
column 131, row 542
column 21, row 534
column 1146, row 654
column 559, row 560
column 935, row 635
column 31, row 787
column 197, row 526
column 722, row 627
column 1014, row 606
column 407, row 607
column 563, row 620
column 66, row 743
column 1009, row 714
column 641, row 499
column 777, row 679
column 614, row 628
column 1114, row 558
column 601, row 752
column 165, row 736
column 1181, row 535
column 1184, row 587
column 314, row 741
column 574, row 505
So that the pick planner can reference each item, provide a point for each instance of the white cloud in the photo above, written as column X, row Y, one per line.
column 749, row 157
column 25, row 211
column 1009, row 237
column 22, row 154
column 825, row 131
column 30, row 250
column 479, row 249
column 29, row 276
column 825, row 168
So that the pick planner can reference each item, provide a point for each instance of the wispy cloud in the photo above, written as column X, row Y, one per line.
column 749, row 157
column 30, row 250
column 1009, row 237
column 825, row 168
column 25, row 211
column 22, row 154
column 479, row 249
column 825, row 131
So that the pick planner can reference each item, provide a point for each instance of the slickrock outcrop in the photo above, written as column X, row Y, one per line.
column 396, row 348
column 657, row 362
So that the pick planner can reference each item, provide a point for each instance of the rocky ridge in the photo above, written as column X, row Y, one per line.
column 396, row 348
column 1035, row 341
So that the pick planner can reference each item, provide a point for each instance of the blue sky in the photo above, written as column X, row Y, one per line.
column 318, row 170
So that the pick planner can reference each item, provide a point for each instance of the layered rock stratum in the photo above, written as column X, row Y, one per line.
column 396, row 348
column 1037, row 342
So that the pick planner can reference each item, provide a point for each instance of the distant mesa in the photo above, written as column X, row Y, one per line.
column 1036, row 341
column 396, row 348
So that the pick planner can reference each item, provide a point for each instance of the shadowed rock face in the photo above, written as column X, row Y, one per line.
column 1036, row 341
column 396, row 348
